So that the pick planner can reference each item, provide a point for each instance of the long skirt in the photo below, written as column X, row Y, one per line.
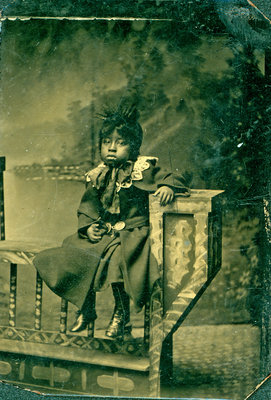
column 71, row 270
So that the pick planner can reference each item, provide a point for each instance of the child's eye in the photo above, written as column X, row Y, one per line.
column 106, row 141
column 121, row 142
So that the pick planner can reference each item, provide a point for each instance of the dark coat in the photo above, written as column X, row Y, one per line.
column 79, row 264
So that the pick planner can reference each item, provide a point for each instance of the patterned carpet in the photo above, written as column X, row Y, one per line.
column 215, row 361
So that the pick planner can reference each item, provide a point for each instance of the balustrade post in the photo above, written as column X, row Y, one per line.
column 2, row 210
column 38, row 302
column 63, row 316
column 147, row 324
column 12, row 295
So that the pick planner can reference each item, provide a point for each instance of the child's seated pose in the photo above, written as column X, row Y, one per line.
column 111, row 246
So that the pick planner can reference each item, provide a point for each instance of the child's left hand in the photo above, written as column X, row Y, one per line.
column 166, row 195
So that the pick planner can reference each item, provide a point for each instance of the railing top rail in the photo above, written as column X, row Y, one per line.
column 18, row 252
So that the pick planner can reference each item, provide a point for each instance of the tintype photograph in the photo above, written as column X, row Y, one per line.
column 135, row 225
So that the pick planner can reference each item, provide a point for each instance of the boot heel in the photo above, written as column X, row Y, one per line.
column 127, row 335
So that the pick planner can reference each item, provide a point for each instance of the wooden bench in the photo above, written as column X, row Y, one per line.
column 186, row 242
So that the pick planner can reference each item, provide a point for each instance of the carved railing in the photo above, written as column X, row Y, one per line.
column 52, row 359
column 16, row 254
column 186, row 243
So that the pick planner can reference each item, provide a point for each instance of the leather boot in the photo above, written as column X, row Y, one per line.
column 86, row 316
column 121, row 316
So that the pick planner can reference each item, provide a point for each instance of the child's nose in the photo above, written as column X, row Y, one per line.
column 112, row 146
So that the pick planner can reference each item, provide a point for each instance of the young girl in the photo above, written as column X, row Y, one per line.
column 111, row 246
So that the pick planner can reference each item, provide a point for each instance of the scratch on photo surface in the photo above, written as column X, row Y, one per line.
column 256, row 8
column 29, row 17
column 268, row 378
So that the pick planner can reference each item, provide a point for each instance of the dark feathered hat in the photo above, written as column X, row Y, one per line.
column 125, row 120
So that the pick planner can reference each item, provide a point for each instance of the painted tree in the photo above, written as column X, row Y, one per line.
column 250, row 23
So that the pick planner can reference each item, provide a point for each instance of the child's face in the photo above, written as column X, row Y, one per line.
column 114, row 149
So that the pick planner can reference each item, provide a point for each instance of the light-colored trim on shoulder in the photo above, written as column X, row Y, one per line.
column 142, row 162
column 141, row 165
column 91, row 175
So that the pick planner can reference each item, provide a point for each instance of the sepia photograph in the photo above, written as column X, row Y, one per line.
column 135, row 199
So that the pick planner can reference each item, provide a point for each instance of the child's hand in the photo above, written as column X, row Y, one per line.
column 95, row 233
column 166, row 195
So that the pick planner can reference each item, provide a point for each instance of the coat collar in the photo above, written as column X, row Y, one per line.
column 141, row 164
